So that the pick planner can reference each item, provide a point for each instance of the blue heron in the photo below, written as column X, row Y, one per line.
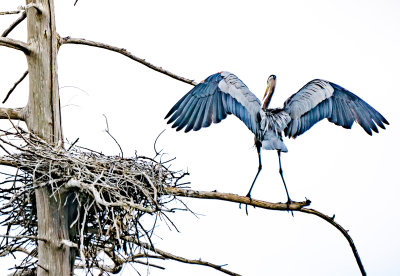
column 224, row 93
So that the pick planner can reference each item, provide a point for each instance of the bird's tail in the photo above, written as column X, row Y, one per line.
column 272, row 141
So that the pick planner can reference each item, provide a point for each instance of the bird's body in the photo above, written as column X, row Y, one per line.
column 223, row 93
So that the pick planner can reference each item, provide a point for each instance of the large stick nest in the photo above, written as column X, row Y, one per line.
column 114, row 202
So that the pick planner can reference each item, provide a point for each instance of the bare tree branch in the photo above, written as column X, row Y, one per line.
column 14, row 24
column 342, row 230
column 294, row 206
column 122, row 51
column 178, row 258
column 15, row 44
column 12, row 113
column 15, row 85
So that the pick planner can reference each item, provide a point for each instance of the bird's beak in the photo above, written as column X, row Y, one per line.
column 269, row 91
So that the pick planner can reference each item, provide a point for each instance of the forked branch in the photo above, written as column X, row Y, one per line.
column 122, row 51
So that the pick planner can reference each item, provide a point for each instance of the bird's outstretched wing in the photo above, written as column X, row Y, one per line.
column 321, row 99
column 212, row 100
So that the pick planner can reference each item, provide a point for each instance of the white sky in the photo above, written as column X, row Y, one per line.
column 344, row 172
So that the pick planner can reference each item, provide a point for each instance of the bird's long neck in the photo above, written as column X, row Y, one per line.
column 268, row 95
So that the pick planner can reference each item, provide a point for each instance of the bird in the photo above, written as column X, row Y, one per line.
column 223, row 93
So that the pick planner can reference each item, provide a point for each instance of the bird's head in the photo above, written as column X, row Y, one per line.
column 269, row 91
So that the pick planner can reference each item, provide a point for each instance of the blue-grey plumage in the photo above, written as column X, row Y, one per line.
column 223, row 93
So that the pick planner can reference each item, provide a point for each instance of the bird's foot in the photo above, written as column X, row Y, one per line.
column 289, row 201
column 240, row 204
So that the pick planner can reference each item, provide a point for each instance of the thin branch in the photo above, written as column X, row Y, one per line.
column 122, row 51
column 178, row 258
column 15, row 85
column 17, row 249
column 342, row 230
column 14, row 24
column 24, row 237
column 107, row 130
column 12, row 113
column 15, row 44
column 9, row 12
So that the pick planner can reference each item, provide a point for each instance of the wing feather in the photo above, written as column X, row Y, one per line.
column 212, row 100
column 185, row 114
column 320, row 99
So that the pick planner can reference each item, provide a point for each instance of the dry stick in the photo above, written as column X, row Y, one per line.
column 15, row 86
column 294, row 206
column 107, row 130
column 122, row 51
column 342, row 230
column 14, row 24
column 178, row 258
column 9, row 12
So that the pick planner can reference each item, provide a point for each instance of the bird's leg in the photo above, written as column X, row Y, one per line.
column 258, row 146
column 284, row 183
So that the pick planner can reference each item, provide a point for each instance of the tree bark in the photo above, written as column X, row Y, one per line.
column 43, row 117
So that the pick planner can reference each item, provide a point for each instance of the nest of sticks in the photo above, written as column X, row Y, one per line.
column 115, row 202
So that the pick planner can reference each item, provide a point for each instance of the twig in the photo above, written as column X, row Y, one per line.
column 15, row 85
column 155, row 142
column 149, row 264
column 24, row 237
column 73, row 144
column 107, row 130
column 122, row 51
column 9, row 12
column 14, row 24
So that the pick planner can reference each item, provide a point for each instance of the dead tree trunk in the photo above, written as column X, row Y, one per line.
column 42, row 116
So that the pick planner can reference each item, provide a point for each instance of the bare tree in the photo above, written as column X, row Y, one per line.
column 69, row 203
